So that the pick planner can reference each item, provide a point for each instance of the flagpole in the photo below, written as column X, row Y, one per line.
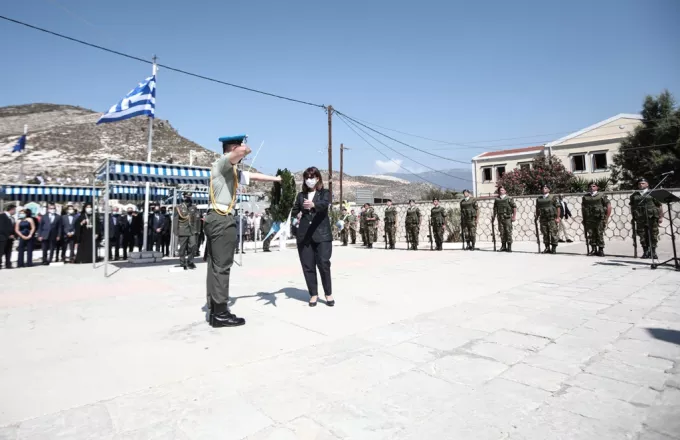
column 148, row 185
column 21, row 158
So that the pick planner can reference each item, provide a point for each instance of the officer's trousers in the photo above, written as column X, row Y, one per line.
column 187, row 249
column 221, row 240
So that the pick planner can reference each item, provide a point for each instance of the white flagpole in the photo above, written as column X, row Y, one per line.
column 148, row 185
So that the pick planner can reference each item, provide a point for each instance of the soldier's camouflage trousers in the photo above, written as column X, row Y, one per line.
column 371, row 232
column 266, row 242
column 595, row 232
column 362, row 232
column 643, row 231
column 375, row 234
column 549, row 232
column 412, row 233
column 438, row 232
column 505, row 229
column 390, row 230
column 343, row 236
column 470, row 231
column 353, row 235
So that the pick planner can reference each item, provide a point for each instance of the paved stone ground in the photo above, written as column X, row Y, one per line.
column 421, row 345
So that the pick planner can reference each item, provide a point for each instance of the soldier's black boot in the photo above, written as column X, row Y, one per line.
column 600, row 252
column 221, row 317
column 553, row 249
column 191, row 266
column 547, row 250
column 472, row 246
column 653, row 255
column 509, row 249
column 645, row 254
column 503, row 248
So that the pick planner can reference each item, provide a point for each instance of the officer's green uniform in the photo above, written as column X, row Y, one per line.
column 594, row 208
column 438, row 218
column 376, row 223
column 363, row 229
column 353, row 228
column 220, row 231
column 546, row 208
column 503, row 207
column 413, row 226
column 370, row 227
column 185, row 228
column 390, row 224
column 344, row 233
column 265, row 227
column 469, row 210
column 646, row 214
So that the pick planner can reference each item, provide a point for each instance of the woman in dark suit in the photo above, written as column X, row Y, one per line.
column 314, row 237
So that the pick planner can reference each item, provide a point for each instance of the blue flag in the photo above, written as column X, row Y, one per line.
column 20, row 145
column 139, row 101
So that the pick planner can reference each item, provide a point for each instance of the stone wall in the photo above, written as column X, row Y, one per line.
column 619, row 227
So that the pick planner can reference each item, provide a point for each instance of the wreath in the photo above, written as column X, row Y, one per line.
column 283, row 196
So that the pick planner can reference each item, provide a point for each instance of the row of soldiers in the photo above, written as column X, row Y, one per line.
column 596, row 209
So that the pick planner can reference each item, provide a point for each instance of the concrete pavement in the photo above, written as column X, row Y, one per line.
column 451, row 345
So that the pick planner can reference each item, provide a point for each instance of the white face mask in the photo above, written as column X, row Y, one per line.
column 51, row 211
column 311, row 183
column 70, row 211
column 88, row 210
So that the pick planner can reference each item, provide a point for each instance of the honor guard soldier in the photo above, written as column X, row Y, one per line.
column 647, row 215
column 438, row 218
column 186, row 226
column 344, row 232
column 469, row 213
column 220, row 226
column 596, row 209
column 362, row 226
column 548, row 213
column 413, row 220
column 505, row 209
column 265, row 226
column 353, row 227
column 390, row 223
column 371, row 220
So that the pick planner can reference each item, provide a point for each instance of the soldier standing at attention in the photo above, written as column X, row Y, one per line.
column 185, row 227
column 413, row 220
column 548, row 213
column 647, row 215
column 353, row 227
column 344, row 232
column 390, row 223
column 596, row 211
column 220, row 227
column 371, row 220
column 362, row 226
column 505, row 210
column 438, row 216
column 265, row 227
column 469, row 211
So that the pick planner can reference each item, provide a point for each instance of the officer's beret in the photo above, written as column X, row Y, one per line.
column 238, row 139
column 466, row 190
column 642, row 179
column 545, row 185
column 186, row 194
column 435, row 199
column 592, row 182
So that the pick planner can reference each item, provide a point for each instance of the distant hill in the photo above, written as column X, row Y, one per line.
column 464, row 178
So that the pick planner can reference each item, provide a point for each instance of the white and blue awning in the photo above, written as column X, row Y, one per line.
column 47, row 193
column 161, row 173
column 122, row 192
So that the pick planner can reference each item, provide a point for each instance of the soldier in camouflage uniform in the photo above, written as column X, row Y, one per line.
column 265, row 226
column 469, row 213
column 548, row 212
column 376, row 225
column 596, row 209
column 185, row 227
column 362, row 226
column 438, row 219
column 370, row 229
column 353, row 227
column 390, row 223
column 413, row 219
column 505, row 209
column 647, row 215
column 344, row 232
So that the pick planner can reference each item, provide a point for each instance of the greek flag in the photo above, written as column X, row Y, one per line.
column 140, row 101
column 19, row 145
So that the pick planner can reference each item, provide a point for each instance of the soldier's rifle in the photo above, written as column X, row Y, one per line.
column 585, row 231
column 385, row 233
column 462, row 229
column 538, row 237
column 635, row 253
column 493, row 232
column 429, row 228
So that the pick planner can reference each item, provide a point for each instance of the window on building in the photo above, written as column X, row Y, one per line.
column 578, row 163
column 486, row 174
column 500, row 171
column 599, row 161
column 526, row 166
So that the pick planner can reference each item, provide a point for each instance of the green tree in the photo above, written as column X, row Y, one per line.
column 653, row 148
column 439, row 193
column 282, row 196
column 544, row 170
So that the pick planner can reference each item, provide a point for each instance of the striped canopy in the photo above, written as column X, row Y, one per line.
column 200, row 197
column 163, row 173
column 47, row 193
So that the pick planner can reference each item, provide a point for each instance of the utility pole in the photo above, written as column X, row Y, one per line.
column 330, row 153
column 342, row 150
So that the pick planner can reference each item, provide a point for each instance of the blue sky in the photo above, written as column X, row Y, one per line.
column 460, row 71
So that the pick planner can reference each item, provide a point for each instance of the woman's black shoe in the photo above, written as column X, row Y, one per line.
column 330, row 303
column 313, row 304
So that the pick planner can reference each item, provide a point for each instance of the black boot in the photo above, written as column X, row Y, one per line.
column 191, row 266
column 645, row 254
column 509, row 249
column 503, row 248
column 547, row 250
column 600, row 251
column 472, row 246
column 220, row 316
column 553, row 249
column 654, row 256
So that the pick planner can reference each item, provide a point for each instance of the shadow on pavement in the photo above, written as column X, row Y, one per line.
column 271, row 297
column 662, row 334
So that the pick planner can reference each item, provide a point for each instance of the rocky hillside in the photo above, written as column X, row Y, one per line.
column 64, row 142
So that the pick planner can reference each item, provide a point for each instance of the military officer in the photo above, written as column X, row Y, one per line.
column 438, row 218
column 362, row 226
column 469, row 215
column 596, row 211
column 647, row 215
column 390, row 223
column 505, row 209
column 220, row 226
column 413, row 220
column 265, row 226
column 344, row 232
column 548, row 213
column 185, row 228
column 371, row 223
column 353, row 226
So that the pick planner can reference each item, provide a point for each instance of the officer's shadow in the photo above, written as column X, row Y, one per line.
column 270, row 298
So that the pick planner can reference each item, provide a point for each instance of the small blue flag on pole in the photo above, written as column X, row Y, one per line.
column 140, row 101
column 20, row 145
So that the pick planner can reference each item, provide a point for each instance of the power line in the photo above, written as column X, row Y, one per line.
column 132, row 57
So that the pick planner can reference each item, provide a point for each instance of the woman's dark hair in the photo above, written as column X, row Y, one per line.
column 85, row 207
column 308, row 174
column 28, row 212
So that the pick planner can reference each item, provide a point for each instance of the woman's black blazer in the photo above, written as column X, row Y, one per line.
column 314, row 225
